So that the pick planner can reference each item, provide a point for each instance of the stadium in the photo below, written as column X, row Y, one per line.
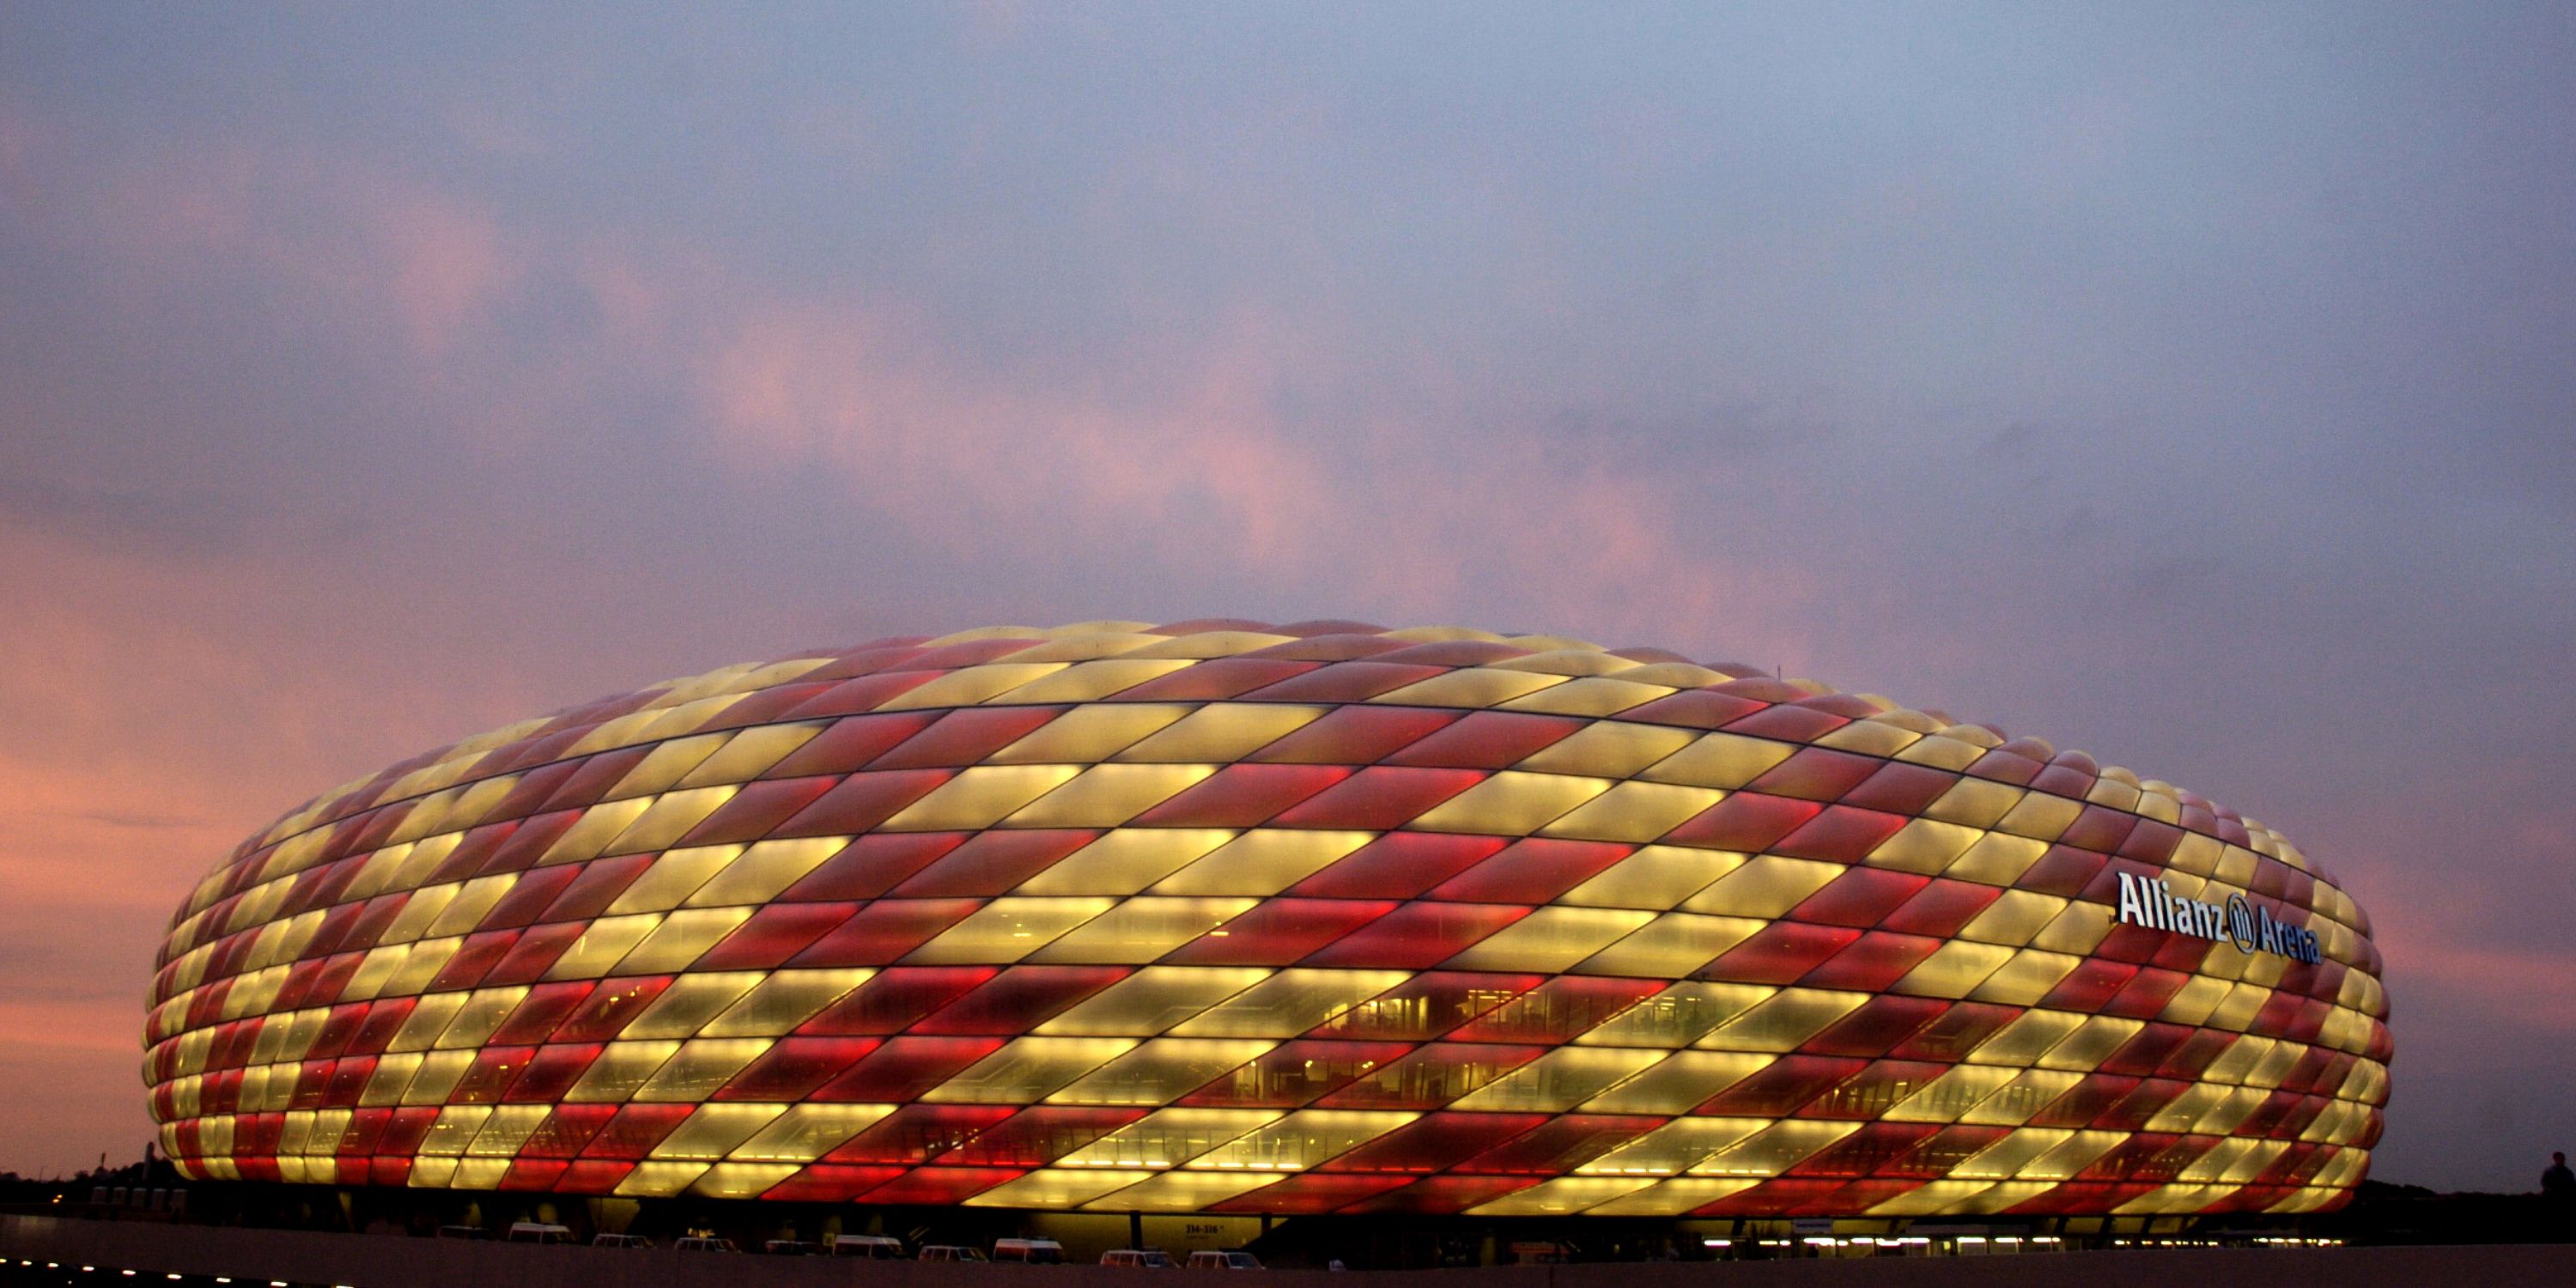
column 1224, row 922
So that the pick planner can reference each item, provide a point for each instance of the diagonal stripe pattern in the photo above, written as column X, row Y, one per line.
column 1220, row 916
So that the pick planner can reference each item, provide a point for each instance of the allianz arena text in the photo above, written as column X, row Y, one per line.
column 1224, row 917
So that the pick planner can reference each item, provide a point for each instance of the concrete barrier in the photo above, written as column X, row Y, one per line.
column 391, row 1261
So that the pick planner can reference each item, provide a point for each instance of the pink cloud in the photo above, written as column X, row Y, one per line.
column 1387, row 511
column 352, row 237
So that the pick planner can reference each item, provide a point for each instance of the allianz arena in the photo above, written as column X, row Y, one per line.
column 1223, row 917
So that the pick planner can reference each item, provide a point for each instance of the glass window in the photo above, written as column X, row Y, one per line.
column 1058, row 1187
column 2021, row 1042
column 1679, row 1196
column 473, row 899
column 426, row 1022
column 1721, row 760
column 1550, row 939
column 659, row 1180
column 1109, row 795
column 1560, row 1080
column 1178, row 1192
column 482, row 1012
column 385, row 1085
column 701, row 1066
column 418, row 970
column 1774, row 1149
column 1125, row 861
column 2027, row 1094
column 1953, row 970
column 978, row 797
column 1291, row 1002
column 741, row 1180
column 764, row 869
column 750, row 753
column 454, row 1129
column 1674, row 1147
column 1563, row 1196
column 2070, row 1156
column 689, row 1002
column 672, row 816
column 1159, row 1071
column 1088, row 734
column 601, row 945
column 417, row 913
column 1262, row 862
column 664, row 765
column 714, row 1131
column 681, row 938
column 1027, row 1069
column 1765, row 886
column 1782, row 1021
column 1656, row 877
column 2026, row 978
column 1612, row 748
column 1632, row 811
column 1141, row 929
column 1007, row 930
column 673, row 877
column 506, row 1130
column 784, row 1000
column 2088, row 1046
column 1510, row 803
column 1952, row 1094
column 1677, row 1016
column 436, row 1077
column 1223, row 732
column 808, row 1132
column 1676, row 943
column 1168, row 1138
column 1302, row 1140
column 620, row 1069
column 598, row 825
column 1155, row 999
column 1678, row 1083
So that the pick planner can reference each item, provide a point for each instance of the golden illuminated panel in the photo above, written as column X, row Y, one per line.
column 1223, row 916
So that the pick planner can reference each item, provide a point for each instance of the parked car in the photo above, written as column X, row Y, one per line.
column 620, row 1241
column 949, row 1252
column 1141, row 1258
column 703, row 1243
column 1228, row 1259
column 463, row 1232
column 539, row 1232
column 875, row 1247
column 1030, row 1252
column 791, row 1248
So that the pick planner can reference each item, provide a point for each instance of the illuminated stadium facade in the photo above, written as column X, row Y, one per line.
column 1220, row 917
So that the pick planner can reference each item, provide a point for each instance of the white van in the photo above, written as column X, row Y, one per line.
column 1230, row 1259
column 539, row 1232
column 1029, row 1252
column 1141, row 1258
column 949, row 1252
column 875, row 1247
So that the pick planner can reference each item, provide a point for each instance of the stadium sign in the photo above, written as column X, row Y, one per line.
column 2155, row 905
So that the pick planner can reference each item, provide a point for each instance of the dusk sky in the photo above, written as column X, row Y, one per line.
column 2194, row 386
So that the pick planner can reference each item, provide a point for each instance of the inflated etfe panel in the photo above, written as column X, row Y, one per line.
column 1228, row 917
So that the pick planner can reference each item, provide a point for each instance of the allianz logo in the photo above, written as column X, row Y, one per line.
column 2155, row 905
